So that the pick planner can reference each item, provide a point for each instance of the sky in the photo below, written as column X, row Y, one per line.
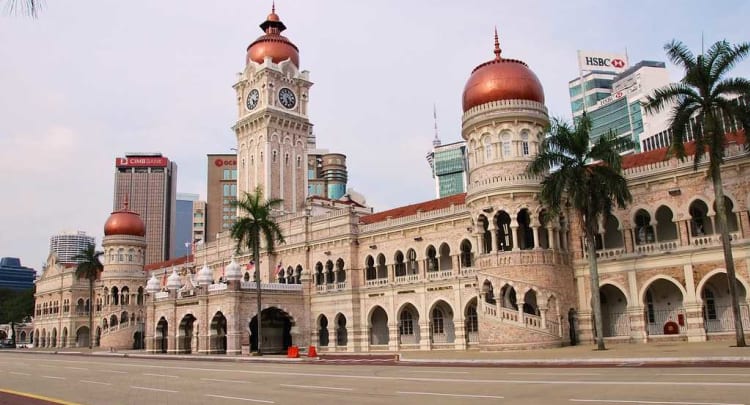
column 89, row 80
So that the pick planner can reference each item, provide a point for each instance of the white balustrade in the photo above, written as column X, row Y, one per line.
column 376, row 282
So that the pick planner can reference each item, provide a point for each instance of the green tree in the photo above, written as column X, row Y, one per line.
column 256, row 223
column 89, row 266
column 588, row 178
column 15, row 307
column 701, row 102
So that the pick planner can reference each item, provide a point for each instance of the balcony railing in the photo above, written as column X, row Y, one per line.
column 378, row 282
column 409, row 278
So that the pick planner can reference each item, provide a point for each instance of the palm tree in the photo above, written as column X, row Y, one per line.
column 89, row 268
column 700, row 100
column 589, row 179
column 256, row 222
column 29, row 7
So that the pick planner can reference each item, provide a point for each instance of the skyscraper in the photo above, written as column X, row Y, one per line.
column 449, row 166
column 221, row 191
column 13, row 276
column 146, row 182
column 183, row 226
column 67, row 244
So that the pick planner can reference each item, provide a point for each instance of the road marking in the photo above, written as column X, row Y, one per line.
column 150, row 389
column 241, row 399
column 436, row 372
column 77, row 368
column 318, row 387
column 448, row 395
column 227, row 381
column 53, row 377
column 114, row 371
column 624, row 401
column 95, row 382
column 40, row 397
column 17, row 373
column 711, row 374
column 556, row 373
column 161, row 375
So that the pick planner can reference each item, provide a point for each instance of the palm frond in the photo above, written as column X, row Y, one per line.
column 679, row 54
column 729, row 58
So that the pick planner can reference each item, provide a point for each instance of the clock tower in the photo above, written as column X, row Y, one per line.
column 273, row 129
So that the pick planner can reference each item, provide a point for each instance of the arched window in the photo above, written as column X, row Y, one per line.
column 406, row 324
column 487, row 149
column 437, row 321
column 412, row 265
column 506, row 145
column 525, row 143
column 466, row 253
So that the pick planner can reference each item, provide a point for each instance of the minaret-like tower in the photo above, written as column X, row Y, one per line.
column 272, row 126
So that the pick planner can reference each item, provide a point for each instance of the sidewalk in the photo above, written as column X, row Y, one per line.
column 654, row 354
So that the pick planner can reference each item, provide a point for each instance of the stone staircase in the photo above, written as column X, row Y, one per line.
column 507, row 327
column 120, row 336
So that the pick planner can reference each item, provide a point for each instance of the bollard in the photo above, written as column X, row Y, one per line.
column 311, row 352
column 292, row 352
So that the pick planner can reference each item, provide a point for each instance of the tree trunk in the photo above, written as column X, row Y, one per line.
column 91, row 314
column 596, row 306
column 721, row 216
column 256, row 261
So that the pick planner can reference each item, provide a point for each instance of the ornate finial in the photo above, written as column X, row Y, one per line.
column 497, row 46
column 273, row 6
column 125, row 203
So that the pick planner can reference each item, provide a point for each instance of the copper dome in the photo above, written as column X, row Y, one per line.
column 501, row 79
column 272, row 44
column 124, row 222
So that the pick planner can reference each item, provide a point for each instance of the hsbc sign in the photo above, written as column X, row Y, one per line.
column 588, row 61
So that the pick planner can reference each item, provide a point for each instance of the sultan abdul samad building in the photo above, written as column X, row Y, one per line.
column 489, row 269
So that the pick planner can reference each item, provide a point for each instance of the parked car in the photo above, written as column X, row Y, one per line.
column 7, row 344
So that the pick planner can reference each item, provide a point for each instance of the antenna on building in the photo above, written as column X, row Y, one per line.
column 435, row 142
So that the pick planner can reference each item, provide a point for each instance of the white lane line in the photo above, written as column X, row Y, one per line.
column 624, row 401
column 448, row 395
column 556, row 373
column 53, row 377
column 316, row 387
column 241, row 399
column 161, row 375
column 711, row 374
column 113, row 371
column 227, row 381
column 437, row 372
column 17, row 373
column 77, row 368
column 135, row 387
column 95, row 382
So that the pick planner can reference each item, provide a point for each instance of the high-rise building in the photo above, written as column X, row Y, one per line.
column 449, row 166
column 146, row 183
column 596, row 73
column 13, row 276
column 199, row 220
column 67, row 244
column 221, row 191
column 183, row 226
column 326, row 174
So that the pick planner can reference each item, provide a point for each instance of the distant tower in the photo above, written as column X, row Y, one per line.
column 65, row 245
column 272, row 125
column 148, row 182
column 448, row 164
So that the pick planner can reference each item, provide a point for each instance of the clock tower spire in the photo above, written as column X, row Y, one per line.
column 272, row 127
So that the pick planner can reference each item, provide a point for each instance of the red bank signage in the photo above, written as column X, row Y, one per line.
column 225, row 162
column 141, row 161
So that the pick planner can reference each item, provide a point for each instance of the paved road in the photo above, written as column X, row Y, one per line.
column 92, row 380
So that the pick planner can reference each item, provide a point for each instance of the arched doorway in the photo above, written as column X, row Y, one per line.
column 161, row 336
column 664, row 311
column 378, row 327
column 408, row 325
column 53, row 339
column 471, row 322
column 615, row 321
column 276, row 330
column 83, row 335
column 218, row 342
column 64, row 338
column 717, row 304
column 323, row 331
column 185, row 334
column 98, row 337
column 341, row 332
column 442, row 329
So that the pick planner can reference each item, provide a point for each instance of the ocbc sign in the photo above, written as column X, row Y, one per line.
column 225, row 162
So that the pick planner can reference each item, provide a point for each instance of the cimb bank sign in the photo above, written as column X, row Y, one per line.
column 141, row 161
column 607, row 62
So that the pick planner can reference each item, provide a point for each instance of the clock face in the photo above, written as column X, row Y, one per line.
column 252, row 99
column 287, row 98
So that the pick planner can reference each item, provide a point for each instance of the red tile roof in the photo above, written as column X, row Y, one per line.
column 659, row 155
column 407, row 210
column 168, row 263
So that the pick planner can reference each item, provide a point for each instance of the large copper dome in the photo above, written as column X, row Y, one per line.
column 124, row 222
column 272, row 44
column 501, row 79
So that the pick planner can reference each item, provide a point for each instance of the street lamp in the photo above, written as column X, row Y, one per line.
column 187, row 246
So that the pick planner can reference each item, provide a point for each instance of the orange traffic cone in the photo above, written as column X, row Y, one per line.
column 292, row 352
column 311, row 352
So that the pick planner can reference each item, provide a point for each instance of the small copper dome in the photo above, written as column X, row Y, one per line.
column 501, row 79
column 124, row 222
column 272, row 44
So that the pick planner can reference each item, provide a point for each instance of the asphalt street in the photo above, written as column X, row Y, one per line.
column 107, row 381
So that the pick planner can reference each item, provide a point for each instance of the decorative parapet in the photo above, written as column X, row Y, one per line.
column 442, row 212
column 161, row 295
column 251, row 285
column 507, row 107
column 503, row 181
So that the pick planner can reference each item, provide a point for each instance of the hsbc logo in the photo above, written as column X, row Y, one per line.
column 604, row 62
